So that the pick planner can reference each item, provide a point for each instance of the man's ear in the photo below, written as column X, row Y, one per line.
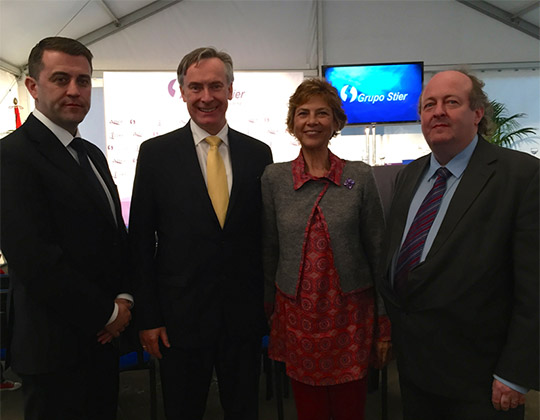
column 183, row 94
column 31, row 85
column 478, row 115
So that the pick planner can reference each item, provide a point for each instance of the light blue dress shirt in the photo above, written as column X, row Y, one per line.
column 456, row 167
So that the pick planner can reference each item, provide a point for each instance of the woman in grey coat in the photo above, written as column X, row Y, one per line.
column 323, row 224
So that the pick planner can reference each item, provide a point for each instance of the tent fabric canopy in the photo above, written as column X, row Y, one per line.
column 272, row 34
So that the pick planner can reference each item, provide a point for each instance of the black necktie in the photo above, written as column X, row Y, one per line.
column 78, row 145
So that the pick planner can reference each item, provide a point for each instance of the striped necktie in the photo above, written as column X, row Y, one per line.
column 411, row 250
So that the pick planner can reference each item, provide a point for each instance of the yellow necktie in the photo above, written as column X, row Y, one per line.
column 218, row 189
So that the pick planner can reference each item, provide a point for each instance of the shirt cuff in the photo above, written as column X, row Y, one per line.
column 512, row 385
column 114, row 314
column 125, row 296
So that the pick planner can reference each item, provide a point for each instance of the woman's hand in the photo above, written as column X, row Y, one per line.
column 383, row 350
column 268, row 310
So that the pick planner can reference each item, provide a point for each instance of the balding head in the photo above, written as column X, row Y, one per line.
column 448, row 122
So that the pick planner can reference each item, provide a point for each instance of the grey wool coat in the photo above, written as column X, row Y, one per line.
column 355, row 221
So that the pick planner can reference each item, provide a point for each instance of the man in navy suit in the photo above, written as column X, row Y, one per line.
column 465, row 318
column 64, row 239
column 200, row 275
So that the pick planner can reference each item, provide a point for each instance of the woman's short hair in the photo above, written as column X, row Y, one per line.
column 316, row 87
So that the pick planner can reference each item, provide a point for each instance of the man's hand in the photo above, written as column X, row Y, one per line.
column 150, row 340
column 504, row 397
column 122, row 319
column 104, row 337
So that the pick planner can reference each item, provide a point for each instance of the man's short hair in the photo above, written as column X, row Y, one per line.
column 479, row 99
column 55, row 43
column 202, row 53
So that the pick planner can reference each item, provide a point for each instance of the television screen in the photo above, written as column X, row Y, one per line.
column 378, row 93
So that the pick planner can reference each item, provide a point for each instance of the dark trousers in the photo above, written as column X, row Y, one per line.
column 419, row 404
column 87, row 391
column 337, row 402
column 186, row 375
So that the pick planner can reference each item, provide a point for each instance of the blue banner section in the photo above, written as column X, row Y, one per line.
column 378, row 93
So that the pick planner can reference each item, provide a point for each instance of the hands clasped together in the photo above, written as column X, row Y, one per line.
column 114, row 329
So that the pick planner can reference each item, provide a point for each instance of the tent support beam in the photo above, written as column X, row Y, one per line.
column 10, row 68
column 128, row 20
column 110, row 13
column 503, row 16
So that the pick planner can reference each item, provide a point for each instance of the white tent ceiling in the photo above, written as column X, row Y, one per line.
column 292, row 25
column 23, row 22
column 154, row 35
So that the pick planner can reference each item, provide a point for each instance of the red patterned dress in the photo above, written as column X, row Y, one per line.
column 324, row 336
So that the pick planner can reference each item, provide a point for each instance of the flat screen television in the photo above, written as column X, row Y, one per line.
column 378, row 93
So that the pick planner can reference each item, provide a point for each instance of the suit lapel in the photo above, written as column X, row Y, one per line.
column 190, row 167
column 103, row 170
column 82, row 180
column 405, row 190
column 51, row 148
column 238, row 162
column 57, row 154
column 476, row 175
column 406, row 186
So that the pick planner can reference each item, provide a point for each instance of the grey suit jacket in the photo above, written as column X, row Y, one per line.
column 471, row 309
column 355, row 223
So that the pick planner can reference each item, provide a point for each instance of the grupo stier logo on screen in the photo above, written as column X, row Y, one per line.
column 350, row 94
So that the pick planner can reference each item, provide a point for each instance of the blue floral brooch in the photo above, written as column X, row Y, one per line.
column 349, row 183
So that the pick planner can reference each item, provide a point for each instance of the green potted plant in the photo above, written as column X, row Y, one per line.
column 505, row 129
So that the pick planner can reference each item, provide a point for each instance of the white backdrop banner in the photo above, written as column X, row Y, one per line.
column 142, row 105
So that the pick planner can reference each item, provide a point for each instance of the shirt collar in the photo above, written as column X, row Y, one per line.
column 458, row 164
column 300, row 177
column 199, row 134
column 62, row 134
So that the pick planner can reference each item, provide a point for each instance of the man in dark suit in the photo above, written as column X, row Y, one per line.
column 198, row 252
column 63, row 236
column 463, row 300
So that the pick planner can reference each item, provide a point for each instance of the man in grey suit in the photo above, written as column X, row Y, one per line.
column 64, row 239
column 461, row 284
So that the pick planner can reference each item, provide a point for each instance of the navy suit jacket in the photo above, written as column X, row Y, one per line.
column 194, row 277
column 67, row 258
column 471, row 308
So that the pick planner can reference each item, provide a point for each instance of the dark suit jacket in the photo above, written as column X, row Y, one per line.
column 67, row 258
column 471, row 309
column 196, row 278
